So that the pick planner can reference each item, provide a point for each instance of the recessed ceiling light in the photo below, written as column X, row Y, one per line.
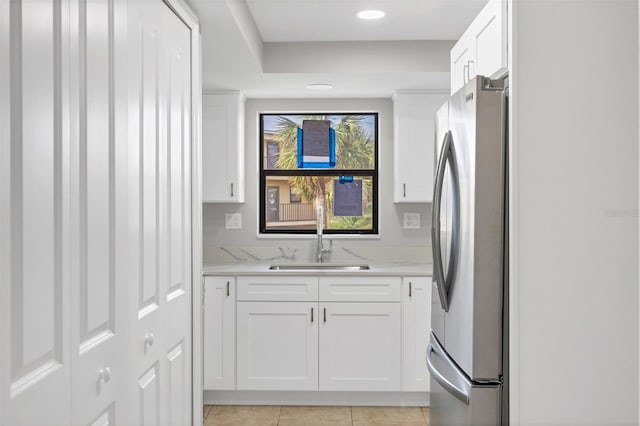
column 370, row 14
column 319, row 86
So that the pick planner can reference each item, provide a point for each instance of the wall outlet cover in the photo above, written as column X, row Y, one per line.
column 412, row 221
column 233, row 221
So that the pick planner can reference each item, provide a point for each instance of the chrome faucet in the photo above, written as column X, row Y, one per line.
column 320, row 250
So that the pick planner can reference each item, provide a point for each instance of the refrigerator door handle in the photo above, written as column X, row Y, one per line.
column 446, row 156
column 462, row 389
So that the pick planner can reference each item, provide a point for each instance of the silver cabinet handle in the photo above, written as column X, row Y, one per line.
column 409, row 288
column 104, row 375
column 465, row 73
column 231, row 189
column 311, row 314
column 325, row 314
column 227, row 288
column 469, row 70
column 404, row 190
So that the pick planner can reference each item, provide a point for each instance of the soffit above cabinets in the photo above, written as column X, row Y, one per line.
column 334, row 20
column 275, row 48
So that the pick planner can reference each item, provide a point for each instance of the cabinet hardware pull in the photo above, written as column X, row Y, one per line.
column 227, row 288
column 325, row 314
column 465, row 73
column 404, row 190
column 409, row 288
column 469, row 70
column 231, row 189
column 311, row 314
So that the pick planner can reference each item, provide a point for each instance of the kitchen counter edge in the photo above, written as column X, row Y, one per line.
column 402, row 270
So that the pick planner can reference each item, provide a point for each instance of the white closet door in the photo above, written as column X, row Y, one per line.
column 34, row 155
column 159, row 185
column 176, row 226
column 98, row 212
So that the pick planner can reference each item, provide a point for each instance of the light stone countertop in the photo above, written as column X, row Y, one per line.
column 376, row 269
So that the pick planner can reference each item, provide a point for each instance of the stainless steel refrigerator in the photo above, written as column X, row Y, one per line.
column 467, row 352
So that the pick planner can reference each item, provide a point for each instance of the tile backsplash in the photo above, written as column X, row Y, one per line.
column 304, row 252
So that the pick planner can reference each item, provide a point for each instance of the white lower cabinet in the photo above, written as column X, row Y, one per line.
column 416, row 326
column 277, row 345
column 360, row 347
column 220, row 333
column 354, row 333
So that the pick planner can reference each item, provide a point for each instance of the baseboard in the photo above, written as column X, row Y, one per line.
column 394, row 399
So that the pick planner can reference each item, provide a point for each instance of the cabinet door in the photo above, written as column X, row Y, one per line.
column 416, row 324
column 360, row 347
column 278, row 289
column 219, row 333
column 222, row 148
column 462, row 57
column 277, row 345
column 482, row 49
column 490, row 40
column 359, row 289
column 413, row 145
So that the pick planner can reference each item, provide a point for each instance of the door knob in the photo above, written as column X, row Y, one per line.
column 149, row 339
column 104, row 374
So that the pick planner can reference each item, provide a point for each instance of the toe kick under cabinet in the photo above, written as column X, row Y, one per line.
column 327, row 333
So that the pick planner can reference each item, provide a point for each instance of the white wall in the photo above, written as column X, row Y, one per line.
column 574, row 252
column 390, row 215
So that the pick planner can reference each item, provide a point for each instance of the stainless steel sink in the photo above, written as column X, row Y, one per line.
column 316, row 266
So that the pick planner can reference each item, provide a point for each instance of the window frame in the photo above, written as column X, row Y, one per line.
column 265, row 173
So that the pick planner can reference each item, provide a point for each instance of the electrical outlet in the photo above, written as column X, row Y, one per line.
column 233, row 221
column 412, row 221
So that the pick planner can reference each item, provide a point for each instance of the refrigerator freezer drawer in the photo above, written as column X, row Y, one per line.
column 455, row 400
column 447, row 410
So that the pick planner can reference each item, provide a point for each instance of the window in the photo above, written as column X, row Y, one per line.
column 348, row 189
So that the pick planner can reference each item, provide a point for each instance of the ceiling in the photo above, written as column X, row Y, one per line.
column 274, row 48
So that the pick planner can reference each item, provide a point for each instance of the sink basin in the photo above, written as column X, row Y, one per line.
column 316, row 266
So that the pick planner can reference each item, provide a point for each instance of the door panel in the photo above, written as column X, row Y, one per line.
column 219, row 333
column 360, row 347
column 472, row 329
column 149, row 397
column 105, row 419
column 416, row 326
column 177, row 400
column 98, row 211
column 277, row 345
column 34, row 146
column 160, row 140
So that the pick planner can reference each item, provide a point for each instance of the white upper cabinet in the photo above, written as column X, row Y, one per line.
column 413, row 145
column 223, row 147
column 482, row 49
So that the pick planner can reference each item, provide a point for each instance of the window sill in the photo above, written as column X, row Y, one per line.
column 314, row 236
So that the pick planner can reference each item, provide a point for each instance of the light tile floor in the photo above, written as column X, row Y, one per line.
column 252, row 415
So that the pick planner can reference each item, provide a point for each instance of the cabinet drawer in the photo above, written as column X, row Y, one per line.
column 359, row 289
column 279, row 289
